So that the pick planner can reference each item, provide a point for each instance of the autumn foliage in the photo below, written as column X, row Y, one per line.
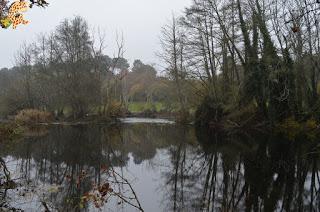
column 11, row 12
column 33, row 116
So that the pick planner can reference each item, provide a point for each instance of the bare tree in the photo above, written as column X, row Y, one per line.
column 173, row 44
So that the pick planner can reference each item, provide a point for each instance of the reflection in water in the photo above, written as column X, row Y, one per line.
column 160, row 167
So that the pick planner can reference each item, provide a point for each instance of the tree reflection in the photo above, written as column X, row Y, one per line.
column 64, row 169
column 68, row 164
column 258, row 173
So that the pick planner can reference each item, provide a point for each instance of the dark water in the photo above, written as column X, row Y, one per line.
column 162, row 167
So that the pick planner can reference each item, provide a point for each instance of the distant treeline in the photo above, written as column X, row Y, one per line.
column 236, row 62
column 66, row 72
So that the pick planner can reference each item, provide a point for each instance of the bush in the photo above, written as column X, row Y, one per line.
column 208, row 112
column 239, row 115
column 311, row 124
column 33, row 116
column 150, row 113
column 115, row 109
column 183, row 117
column 292, row 128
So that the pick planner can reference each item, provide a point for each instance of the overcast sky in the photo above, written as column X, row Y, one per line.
column 139, row 20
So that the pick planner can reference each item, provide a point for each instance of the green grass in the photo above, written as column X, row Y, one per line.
column 137, row 107
column 133, row 107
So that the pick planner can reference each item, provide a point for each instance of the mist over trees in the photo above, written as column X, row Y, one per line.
column 237, row 62
column 65, row 72
column 56, row 70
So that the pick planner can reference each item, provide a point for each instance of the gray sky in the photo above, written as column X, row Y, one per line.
column 140, row 21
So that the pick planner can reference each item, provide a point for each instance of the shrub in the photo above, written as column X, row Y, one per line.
column 290, row 124
column 209, row 111
column 183, row 117
column 311, row 124
column 33, row 116
column 151, row 113
column 239, row 115
column 115, row 109
column 291, row 128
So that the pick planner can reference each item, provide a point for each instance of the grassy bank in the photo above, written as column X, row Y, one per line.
column 139, row 107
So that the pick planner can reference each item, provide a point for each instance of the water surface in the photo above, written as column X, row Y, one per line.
column 158, row 166
column 146, row 121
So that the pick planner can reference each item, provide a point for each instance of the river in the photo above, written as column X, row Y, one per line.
column 154, row 165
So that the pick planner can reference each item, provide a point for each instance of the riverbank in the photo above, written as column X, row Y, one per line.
column 26, row 124
column 11, row 129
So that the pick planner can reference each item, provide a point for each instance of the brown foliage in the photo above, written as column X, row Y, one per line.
column 33, row 116
column 115, row 109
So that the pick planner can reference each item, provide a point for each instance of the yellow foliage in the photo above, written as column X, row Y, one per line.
column 292, row 128
column 311, row 124
column 115, row 109
column 33, row 116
